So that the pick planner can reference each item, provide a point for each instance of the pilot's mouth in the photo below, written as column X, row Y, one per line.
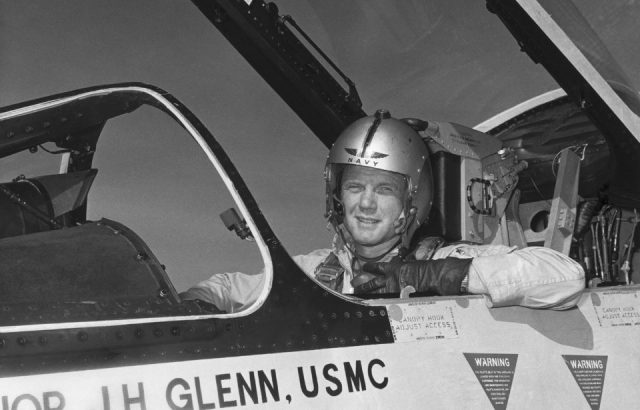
column 367, row 221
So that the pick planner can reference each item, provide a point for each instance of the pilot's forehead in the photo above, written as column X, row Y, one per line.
column 371, row 175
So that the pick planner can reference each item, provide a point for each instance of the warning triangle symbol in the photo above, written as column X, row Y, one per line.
column 495, row 373
column 588, row 371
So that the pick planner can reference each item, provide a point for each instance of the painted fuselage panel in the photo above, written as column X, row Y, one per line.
column 448, row 353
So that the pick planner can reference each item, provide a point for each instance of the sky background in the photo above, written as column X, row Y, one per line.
column 440, row 60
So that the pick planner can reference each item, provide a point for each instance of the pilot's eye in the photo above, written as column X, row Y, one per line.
column 386, row 189
column 352, row 187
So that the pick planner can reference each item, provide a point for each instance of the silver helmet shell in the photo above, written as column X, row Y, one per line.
column 382, row 142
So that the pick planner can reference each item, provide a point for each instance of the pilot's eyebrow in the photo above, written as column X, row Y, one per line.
column 391, row 186
column 395, row 184
column 351, row 181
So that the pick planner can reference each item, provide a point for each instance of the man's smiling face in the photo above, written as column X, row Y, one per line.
column 373, row 201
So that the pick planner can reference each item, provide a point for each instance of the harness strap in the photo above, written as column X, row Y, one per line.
column 330, row 273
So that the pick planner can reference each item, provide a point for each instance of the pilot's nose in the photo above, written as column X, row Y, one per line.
column 368, row 201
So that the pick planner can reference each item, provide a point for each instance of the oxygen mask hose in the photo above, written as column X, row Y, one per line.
column 604, row 244
column 586, row 211
column 597, row 260
column 628, row 250
column 615, row 231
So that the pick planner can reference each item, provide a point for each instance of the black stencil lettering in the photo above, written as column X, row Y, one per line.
column 128, row 401
column 303, row 384
column 250, row 389
column 272, row 385
column 23, row 397
column 355, row 378
column 201, row 404
column 106, row 403
column 325, row 371
column 224, row 390
column 377, row 384
column 46, row 400
column 187, row 400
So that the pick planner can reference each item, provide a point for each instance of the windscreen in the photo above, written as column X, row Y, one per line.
column 153, row 231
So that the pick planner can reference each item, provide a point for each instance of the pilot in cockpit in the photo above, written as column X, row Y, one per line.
column 379, row 191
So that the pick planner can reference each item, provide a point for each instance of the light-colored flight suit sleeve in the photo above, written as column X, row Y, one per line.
column 229, row 291
column 236, row 291
column 533, row 277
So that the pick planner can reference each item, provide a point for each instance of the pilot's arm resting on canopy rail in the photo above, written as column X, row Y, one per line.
column 533, row 277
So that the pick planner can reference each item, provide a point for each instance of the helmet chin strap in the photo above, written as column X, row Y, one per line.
column 401, row 223
column 403, row 227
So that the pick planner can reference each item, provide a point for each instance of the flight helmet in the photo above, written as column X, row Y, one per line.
column 382, row 142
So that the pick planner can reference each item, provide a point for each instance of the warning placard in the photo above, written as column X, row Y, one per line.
column 495, row 373
column 588, row 371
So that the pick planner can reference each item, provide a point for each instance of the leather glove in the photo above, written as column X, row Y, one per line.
column 438, row 277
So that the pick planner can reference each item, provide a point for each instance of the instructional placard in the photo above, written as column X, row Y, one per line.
column 423, row 320
column 617, row 307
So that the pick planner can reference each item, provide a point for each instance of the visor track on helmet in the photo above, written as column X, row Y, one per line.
column 370, row 135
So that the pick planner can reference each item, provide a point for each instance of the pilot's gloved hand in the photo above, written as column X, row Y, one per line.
column 439, row 277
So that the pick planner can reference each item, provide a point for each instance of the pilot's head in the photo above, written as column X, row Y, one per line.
column 379, row 184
